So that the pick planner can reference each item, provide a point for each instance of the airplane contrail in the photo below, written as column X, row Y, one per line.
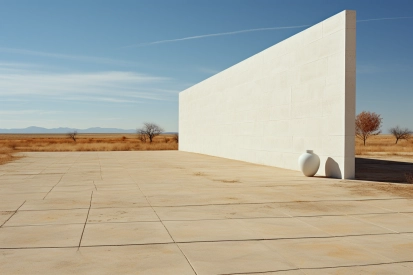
column 244, row 31
column 213, row 34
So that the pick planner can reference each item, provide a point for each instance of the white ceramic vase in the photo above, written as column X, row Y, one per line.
column 309, row 163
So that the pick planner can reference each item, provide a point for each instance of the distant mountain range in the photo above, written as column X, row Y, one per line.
column 64, row 130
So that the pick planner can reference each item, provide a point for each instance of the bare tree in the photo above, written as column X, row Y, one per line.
column 72, row 135
column 367, row 124
column 149, row 131
column 400, row 133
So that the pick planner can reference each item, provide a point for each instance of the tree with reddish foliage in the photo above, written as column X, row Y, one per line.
column 367, row 124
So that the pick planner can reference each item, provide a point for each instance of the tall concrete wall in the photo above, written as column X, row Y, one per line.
column 268, row 109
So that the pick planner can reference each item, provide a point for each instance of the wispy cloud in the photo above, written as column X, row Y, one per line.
column 27, row 112
column 83, row 58
column 106, row 86
column 17, row 65
column 214, row 34
column 102, row 99
column 244, row 31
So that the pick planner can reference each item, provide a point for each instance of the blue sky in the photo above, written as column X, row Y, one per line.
column 90, row 63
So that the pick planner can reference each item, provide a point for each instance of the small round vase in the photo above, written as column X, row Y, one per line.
column 309, row 163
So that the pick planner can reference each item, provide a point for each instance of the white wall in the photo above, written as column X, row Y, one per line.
column 268, row 109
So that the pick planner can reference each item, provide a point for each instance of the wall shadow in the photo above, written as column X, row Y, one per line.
column 332, row 169
column 382, row 170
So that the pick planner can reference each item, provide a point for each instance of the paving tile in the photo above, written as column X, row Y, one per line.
column 271, row 228
column 234, row 257
column 7, row 205
column 286, row 272
column 56, row 204
column 393, row 246
column 41, row 236
column 74, row 188
column 395, row 205
column 343, row 225
column 407, row 235
column 324, row 252
column 4, row 216
column 125, row 233
column 81, row 195
column 38, row 261
column 20, row 197
column 99, row 215
column 111, row 194
column 207, row 230
column 235, row 211
column 356, row 207
column 119, row 203
column 24, row 189
column 147, row 259
column 201, row 199
column 22, row 218
column 118, row 199
column 382, row 269
column 395, row 222
column 410, row 215
column 116, row 187
column 408, row 265
column 302, row 208
column 240, row 229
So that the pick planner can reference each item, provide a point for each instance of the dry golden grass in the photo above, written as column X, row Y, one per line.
column 384, row 145
column 13, row 143
column 6, row 155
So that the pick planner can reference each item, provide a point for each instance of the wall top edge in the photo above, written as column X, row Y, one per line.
column 349, row 15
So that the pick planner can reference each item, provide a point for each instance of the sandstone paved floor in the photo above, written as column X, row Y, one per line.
column 182, row 213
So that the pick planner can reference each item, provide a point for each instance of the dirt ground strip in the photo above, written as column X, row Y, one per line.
column 171, row 212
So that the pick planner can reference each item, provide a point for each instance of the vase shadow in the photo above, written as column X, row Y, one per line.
column 332, row 169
